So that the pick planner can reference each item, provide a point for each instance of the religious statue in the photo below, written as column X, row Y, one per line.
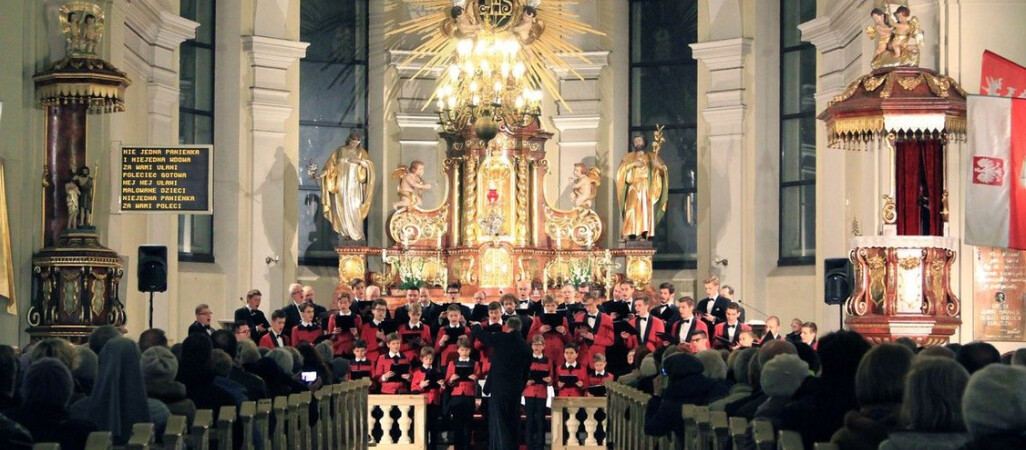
column 72, row 193
column 584, row 185
column 411, row 185
column 464, row 24
column 529, row 29
column 83, row 181
column 82, row 25
column 898, row 43
column 641, row 189
column 347, row 188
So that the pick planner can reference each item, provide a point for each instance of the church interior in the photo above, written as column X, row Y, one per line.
column 815, row 157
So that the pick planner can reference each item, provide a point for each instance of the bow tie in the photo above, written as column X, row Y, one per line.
column 590, row 316
column 642, row 319
column 396, row 358
column 686, row 321
column 731, row 326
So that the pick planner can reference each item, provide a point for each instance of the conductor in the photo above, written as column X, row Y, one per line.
column 511, row 362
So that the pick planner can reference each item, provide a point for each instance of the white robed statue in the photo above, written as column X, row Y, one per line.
column 347, row 188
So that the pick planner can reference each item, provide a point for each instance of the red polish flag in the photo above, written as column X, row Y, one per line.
column 1000, row 77
column 996, row 192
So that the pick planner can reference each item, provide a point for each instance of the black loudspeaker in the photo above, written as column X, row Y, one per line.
column 152, row 268
column 838, row 280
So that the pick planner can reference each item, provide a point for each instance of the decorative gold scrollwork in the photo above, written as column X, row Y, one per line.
column 910, row 83
column 890, row 210
column 410, row 226
column 639, row 270
column 910, row 263
column 464, row 270
column 871, row 83
column 351, row 267
column 582, row 226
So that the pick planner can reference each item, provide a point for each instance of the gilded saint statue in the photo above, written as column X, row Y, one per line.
column 347, row 188
column 897, row 41
column 641, row 188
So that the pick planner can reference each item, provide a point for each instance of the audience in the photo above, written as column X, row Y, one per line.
column 8, row 377
column 994, row 408
column 160, row 368
column 99, row 337
column 685, row 386
column 154, row 337
column 45, row 392
column 741, row 388
column 781, row 377
column 817, row 409
column 119, row 397
column 936, row 351
column 879, row 389
column 57, row 348
column 1019, row 357
column 976, row 355
column 85, row 374
column 931, row 410
column 195, row 371
column 254, row 386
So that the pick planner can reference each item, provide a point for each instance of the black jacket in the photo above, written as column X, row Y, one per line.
column 253, row 318
column 196, row 328
column 511, row 362
column 663, row 413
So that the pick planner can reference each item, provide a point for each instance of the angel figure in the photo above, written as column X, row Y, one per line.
column 92, row 32
column 464, row 23
column 529, row 28
column 411, row 185
column 881, row 31
column 584, row 184
column 71, row 26
column 72, row 193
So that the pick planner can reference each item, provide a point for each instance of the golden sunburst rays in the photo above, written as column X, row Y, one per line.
column 551, row 50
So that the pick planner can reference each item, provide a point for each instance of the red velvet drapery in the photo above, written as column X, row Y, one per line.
column 920, row 184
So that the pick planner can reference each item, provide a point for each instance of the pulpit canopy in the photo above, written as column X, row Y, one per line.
column 908, row 102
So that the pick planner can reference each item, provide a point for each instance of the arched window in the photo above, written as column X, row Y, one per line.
column 663, row 82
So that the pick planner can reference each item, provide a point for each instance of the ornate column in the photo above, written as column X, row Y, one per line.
column 272, row 157
column 724, row 113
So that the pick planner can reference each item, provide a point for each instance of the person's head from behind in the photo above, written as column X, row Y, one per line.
column 57, row 348
column 101, row 335
column 8, row 370
column 159, row 365
column 840, row 353
column 713, row 365
column 248, row 353
column 153, row 337
column 976, row 355
column 1019, row 357
column 742, row 363
column 282, row 358
column 513, row 325
column 225, row 340
column 781, row 376
column 994, row 402
column 936, row 351
column 880, row 378
column 196, row 350
column 47, row 382
column 933, row 395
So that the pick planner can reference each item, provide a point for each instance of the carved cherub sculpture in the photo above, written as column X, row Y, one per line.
column 411, row 185
column 529, row 28
column 898, row 42
column 880, row 30
column 584, row 185
column 464, row 24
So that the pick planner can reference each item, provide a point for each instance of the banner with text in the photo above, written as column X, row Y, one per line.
column 171, row 179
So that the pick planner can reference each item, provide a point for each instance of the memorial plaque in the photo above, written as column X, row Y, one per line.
column 999, row 293
column 170, row 179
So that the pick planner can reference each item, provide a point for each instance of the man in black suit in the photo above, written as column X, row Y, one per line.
column 511, row 363
column 292, row 315
column 429, row 312
column 320, row 312
column 252, row 315
column 666, row 310
column 713, row 309
column 452, row 294
column 202, row 323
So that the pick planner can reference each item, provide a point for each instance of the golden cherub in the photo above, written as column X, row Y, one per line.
column 898, row 42
column 411, row 185
column 463, row 23
column 584, row 185
column 530, row 28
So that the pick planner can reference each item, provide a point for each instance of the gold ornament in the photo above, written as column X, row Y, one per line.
column 639, row 270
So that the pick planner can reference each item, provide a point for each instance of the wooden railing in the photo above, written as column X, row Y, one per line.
column 401, row 423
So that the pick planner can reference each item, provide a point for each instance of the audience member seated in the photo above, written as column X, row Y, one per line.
column 159, row 368
column 780, row 378
column 808, row 355
column 936, row 351
column 1019, row 357
column 312, row 362
column 154, row 337
column 638, row 370
column 85, row 374
column 742, row 388
column 119, row 398
column 195, row 372
column 746, row 407
column 715, row 369
column 13, row 436
column 879, row 389
column 284, row 383
column 221, row 364
column 57, row 348
column 8, row 377
column 44, row 406
column 976, row 355
column 931, row 411
column 255, row 387
column 817, row 409
column 99, row 337
column 908, row 342
column 994, row 408
column 686, row 386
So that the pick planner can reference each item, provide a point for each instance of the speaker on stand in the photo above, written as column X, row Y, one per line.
column 152, row 274
column 838, row 282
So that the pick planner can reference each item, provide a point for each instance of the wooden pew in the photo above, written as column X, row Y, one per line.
column 789, row 440
column 46, row 446
column 263, row 422
column 247, row 413
column 762, row 433
column 199, row 434
column 142, row 437
column 720, row 432
column 690, row 427
column 739, row 432
column 280, row 439
column 704, row 437
column 174, row 433
column 826, row 446
column 225, row 421
column 100, row 440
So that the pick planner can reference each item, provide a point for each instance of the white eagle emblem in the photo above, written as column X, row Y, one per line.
column 988, row 170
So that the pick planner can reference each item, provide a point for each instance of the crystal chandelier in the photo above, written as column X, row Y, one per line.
column 487, row 86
